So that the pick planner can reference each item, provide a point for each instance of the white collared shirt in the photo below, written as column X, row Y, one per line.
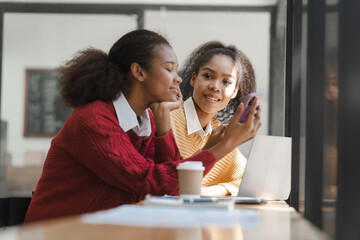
column 192, row 120
column 127, row 118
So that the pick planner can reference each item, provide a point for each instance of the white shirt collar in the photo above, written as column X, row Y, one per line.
column 128, row 120
column 192, row 120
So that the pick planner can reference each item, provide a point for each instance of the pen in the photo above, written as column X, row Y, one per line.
column 203, row 200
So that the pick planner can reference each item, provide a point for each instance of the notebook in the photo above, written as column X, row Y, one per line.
column 176, row 201
column 268, row 171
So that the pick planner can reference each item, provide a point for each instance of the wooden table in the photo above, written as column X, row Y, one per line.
column 276, row 221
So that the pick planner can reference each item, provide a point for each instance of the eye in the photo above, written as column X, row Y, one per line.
column 227, row 82
column 207, row 76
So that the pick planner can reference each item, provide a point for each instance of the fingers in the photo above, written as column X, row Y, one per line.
column 235, row 119
column 252, row 111
column 258, row 126
column 239, row 110
column 177, row 103
column 256, row 120
column 239, row 133
column 179, row 96
column 258, row 112
column 223, row 128
column 257, row 117
column 219, row 130
column 154, row 105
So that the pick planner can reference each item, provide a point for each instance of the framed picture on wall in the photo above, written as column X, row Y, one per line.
column 44, row 112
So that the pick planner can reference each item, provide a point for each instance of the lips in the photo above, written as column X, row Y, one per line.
column 212, row 98
column 176, row 90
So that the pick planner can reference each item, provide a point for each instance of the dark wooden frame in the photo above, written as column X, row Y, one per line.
column 348, row 202
column 315, row 93
column 293, row 89
column 26, row 131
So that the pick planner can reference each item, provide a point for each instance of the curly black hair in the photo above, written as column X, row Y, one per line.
column 94, row 75
column 245, row 72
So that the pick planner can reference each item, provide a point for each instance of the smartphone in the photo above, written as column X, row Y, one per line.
column 249, row 100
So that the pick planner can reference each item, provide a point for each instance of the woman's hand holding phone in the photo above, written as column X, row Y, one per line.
column 237, row 133
column 248, row 102
column 241, row 132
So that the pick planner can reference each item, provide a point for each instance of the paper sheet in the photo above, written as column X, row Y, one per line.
column 132, row 215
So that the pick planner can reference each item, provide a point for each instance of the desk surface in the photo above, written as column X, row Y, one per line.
column 276, row 221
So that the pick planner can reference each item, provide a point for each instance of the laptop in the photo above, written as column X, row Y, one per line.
column 268, row 171
column 267, row 174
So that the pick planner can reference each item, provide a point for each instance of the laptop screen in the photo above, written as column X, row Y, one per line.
column 268, row 170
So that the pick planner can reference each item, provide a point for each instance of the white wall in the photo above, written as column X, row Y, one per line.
column 47, row 40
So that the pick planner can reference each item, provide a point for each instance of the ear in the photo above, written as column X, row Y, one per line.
column 193, row 78
column 137, row 72
column 235, row 91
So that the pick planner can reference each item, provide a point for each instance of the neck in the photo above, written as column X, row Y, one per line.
column 136, row 101
column 204, row 118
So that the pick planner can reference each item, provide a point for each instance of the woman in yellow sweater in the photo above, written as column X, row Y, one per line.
column 216, row 78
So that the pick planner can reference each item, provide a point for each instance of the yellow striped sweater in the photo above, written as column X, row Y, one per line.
column 227, row 172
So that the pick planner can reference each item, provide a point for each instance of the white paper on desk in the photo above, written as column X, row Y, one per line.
column 132, row 215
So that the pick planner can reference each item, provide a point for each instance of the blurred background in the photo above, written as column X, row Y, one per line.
column 293, row 46
column 38, row 37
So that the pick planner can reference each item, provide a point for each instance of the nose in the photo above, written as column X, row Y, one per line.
column 178, row 79
column 214, row 86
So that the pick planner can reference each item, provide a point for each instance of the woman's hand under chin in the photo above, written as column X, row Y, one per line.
column 166, row 105
column 237, row 133
column 161, row 112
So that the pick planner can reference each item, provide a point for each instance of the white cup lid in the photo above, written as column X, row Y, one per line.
column 191, row 165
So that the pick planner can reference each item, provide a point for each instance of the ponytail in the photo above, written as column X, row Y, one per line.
column 88, row 77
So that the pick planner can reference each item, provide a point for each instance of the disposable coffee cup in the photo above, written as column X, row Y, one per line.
column 190, row 174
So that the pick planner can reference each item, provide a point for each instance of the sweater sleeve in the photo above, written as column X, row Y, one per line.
column 105, row 149
column 232, row 187
column 227, row 172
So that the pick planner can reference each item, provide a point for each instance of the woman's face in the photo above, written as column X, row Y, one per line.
column 332, row 91
column 162, row 82
column 214, row 85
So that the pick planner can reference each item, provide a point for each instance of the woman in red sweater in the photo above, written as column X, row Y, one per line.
column 112, row 150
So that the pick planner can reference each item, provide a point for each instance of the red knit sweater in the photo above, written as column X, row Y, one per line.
column 93, row 164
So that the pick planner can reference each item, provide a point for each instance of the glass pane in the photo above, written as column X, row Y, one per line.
column 302, row 157
column 330, row 117
column 42, row 42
